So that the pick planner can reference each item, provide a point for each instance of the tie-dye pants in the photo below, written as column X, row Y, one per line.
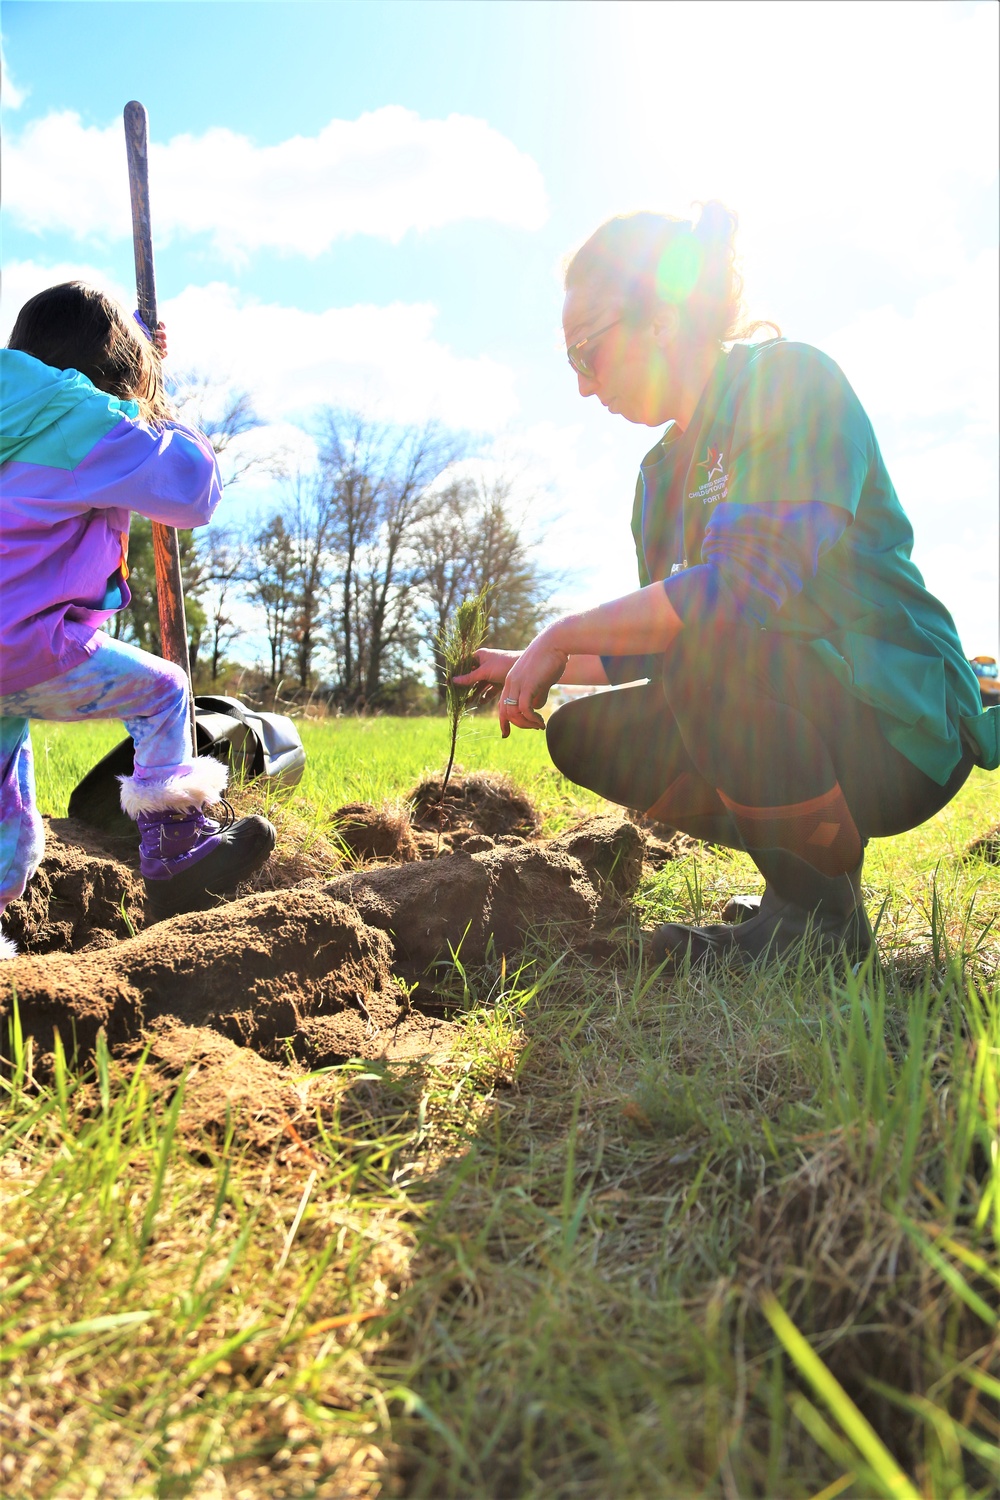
column 150, row 696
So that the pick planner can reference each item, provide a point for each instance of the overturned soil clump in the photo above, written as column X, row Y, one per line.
column 224, row 1083
column 255, row 970
column 374, row 833
column 86, row 893
column 478, row 804
column 467, row 902
column 321, row 969
column 228, row 1088
column 663, row 843
column 311, row 967
column 488, row 902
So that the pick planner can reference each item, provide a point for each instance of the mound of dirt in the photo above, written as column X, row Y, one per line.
column 481, row 803
column 663, row 843
column 253, row 970
column 610, row 848
column 225, row 1083
column 472, row 902
column 375, row 833
column 86, row 893
column 269, row 1106
column 310, row 966
column 987, row 847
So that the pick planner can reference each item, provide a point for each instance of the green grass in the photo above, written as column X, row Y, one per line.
column 633, row 1240
column 347, row 760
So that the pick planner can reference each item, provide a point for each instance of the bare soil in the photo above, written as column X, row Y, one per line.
column 319, row 970
column 254, row 969
column 87, row 893
column 663, row 843
column 229, row 1088
column 481, row 805
column 370, row 833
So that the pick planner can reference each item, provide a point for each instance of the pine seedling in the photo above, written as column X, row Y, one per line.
column 458, row 644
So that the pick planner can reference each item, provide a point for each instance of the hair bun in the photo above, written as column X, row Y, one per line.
column 716, row 223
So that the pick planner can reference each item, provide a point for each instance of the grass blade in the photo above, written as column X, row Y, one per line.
column 856, row 1426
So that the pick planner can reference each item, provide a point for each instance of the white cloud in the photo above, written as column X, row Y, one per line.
column 11, row 97
column 384, row 359
column 384, row 174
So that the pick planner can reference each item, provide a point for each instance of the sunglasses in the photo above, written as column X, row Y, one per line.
column 580, row 362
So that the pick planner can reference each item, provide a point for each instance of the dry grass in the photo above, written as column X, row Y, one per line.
column 539, row 1269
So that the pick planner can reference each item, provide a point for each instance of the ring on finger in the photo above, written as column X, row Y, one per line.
column 510, row 702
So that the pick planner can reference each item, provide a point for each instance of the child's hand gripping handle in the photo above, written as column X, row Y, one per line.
column 166, row 553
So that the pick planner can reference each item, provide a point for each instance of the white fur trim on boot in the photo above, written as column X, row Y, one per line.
column 204, row 784
column 8, row 949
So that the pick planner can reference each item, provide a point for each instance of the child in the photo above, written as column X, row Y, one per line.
column 86, row 436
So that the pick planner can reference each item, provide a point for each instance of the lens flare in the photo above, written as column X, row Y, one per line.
column 679, row 268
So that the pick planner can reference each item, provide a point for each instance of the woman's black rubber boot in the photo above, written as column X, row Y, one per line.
column 799, row 908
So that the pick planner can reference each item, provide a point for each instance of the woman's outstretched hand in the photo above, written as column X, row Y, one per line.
column 491, row 668
column 527, row 685
column 526, row 677
column 571, row 651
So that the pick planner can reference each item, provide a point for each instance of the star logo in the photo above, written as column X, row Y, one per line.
column 712, row 464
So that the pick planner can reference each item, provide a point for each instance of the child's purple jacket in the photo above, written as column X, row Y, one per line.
column 74, row 463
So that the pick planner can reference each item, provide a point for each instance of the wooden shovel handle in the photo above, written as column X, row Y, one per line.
column 166, row 551
column 137, row 147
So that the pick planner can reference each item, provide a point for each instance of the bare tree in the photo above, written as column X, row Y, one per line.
column 443, row 552
column 225, row 413
column 519, row 590
column 472, row 541
column 347, row 459
column 270, row 581
column 376, row 479
column 310, row 513
column 364, row 561
column 225, row 556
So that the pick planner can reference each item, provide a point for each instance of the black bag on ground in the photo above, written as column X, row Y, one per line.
column 253, row 744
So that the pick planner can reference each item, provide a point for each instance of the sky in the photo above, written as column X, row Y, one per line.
column 369, row 204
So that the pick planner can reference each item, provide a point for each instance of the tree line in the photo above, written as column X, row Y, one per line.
column 352, row 573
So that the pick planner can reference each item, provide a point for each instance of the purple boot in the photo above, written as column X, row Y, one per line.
column 187, row 859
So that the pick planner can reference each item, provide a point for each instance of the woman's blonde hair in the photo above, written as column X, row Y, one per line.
column 73, row 326
column 644, row 260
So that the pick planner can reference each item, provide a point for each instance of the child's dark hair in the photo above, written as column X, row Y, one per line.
column 76, row 327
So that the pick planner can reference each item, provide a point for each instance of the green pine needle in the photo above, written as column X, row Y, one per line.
column 458, row 645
